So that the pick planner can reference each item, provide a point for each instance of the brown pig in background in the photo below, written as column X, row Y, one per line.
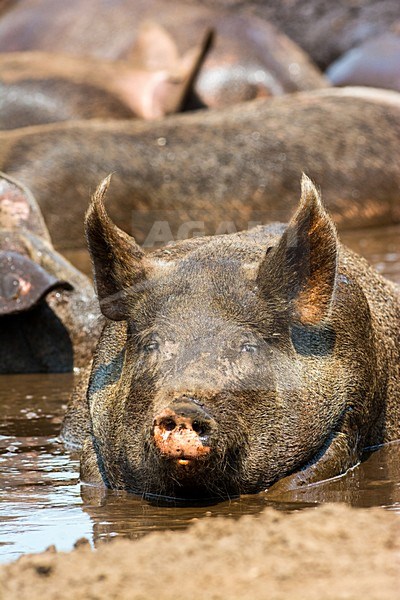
column 249, row 57
column 230, row 362
column 43, row 87
column 324, row 29
column 240, row 163
column 49, row 319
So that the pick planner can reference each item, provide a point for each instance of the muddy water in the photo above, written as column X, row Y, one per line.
column 42, row 502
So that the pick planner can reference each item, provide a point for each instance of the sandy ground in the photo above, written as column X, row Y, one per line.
column 330, row 553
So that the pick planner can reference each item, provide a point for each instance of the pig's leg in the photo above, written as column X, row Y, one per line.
column 76, row 424
column 90, row 471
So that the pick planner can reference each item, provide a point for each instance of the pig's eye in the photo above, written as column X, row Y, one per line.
column 248, row 347
column 151, row 346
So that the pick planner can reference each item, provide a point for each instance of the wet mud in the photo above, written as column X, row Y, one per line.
column 334, row 552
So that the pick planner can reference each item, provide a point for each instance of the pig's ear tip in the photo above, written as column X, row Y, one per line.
column 102, row 188
column 307, row 184
column 305, row 180
column 309, row 191
column 97, row 199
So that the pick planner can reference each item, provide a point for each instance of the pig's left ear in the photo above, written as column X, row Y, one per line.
column 118, row 262
column 298, row 275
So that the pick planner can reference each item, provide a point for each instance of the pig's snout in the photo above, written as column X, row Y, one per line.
column 183, row 431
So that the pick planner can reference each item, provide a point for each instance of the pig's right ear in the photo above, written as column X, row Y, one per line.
column 118, row 262
column 297, row 277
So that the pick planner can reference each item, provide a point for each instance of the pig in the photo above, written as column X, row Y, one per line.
column 374, row 63
column 49, row 317
column 232, row 363
column 43, row 87
column 324, row 29
column 232, row 166
column 249, row 57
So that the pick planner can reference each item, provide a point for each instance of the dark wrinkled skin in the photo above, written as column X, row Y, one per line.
column 239, row 164
column 50, row 322
column 288, row 340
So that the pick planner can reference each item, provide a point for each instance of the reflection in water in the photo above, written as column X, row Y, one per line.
column 42, row 502
column 375, row 482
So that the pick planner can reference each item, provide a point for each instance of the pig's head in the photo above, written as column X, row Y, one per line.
column 217, row 373
column 48, row 310
column 32, row 336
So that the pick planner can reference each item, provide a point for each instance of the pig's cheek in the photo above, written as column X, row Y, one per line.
column 155, row 365
column 170, row 349
column 146, row 362
column 242, row 369
column 248, row 363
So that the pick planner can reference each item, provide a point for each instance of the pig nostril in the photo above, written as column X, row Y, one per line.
column 168, row 424
column 199, row 427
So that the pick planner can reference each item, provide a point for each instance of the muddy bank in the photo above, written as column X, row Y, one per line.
column 331, row 552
